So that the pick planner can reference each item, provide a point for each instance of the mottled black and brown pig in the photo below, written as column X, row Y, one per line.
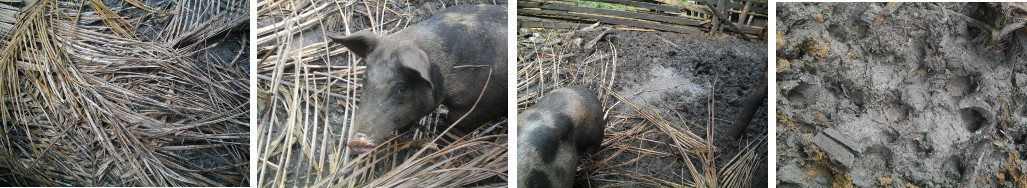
column 444, row 60
column 561, row 128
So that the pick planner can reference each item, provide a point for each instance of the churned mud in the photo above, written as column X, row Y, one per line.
column 901, row 95
column 669, row 75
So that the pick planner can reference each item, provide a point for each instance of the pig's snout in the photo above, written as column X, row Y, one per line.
column 360, row 143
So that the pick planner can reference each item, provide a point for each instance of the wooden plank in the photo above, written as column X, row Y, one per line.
column 753, row 1
column 615, row 13
column 723, row 10
column 643, row 5
column 676, row 15
column 751, row 13
column 701, row 8
column 675, row 6
column 610, row 20
column 745, row 11
column 686, row 6
column 550, row 25
column 757, row 10
column 534, row 22
column 751, row 29
column 739, row 6
column 717, row 19
column 678, row 6
column 745, row 28
column 641, row 16
column 836, row 151
column 740, row 32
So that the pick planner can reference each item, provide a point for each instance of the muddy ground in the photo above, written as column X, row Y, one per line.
column 335, row 113
column 901, row 95
column 672, row 72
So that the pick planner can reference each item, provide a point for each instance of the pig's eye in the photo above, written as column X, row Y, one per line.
column 400, row 88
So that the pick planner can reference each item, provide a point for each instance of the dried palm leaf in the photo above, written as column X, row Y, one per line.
column 87, row 104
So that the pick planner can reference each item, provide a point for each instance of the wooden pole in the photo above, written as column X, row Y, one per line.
column 716, row 19
column 752, row 103
column 745, row 12
column 715, row 13
column 727, row 17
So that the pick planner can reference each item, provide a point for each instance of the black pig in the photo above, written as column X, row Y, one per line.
column 561, row 128
column 444, row 59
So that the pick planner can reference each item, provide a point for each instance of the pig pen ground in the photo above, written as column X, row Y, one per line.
column 305, row 105
column 901, row 95
column 114, row 93
column 656, row 89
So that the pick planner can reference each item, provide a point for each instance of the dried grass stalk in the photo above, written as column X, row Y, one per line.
column 86, row 102
column 307, row 90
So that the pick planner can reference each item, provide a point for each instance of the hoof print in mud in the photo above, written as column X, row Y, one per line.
column 937, row 90
column 923, row 143
column 976, row 118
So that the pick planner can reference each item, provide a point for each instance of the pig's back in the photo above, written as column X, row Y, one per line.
column 463, row 35
column 555, row 133
column 547, row 156
column 465, row 41
column 583, row 108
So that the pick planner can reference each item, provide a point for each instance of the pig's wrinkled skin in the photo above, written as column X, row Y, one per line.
column 561, row 128
column 436, row 61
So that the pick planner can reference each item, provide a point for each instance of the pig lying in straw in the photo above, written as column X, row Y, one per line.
column 446, row 59
column 561, row 128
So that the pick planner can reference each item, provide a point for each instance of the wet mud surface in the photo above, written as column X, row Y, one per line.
column 897, row 95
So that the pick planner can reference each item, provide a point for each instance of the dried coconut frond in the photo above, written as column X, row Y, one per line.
column 308, row 89
column 85, row 102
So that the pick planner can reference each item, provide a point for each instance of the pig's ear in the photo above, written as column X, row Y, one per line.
column 417, row 62
column 360, row 43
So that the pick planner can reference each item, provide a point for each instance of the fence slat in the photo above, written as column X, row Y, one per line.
column 664, row 15
column 644, row 5
column 741, row 19
column 615, row 13
column 535, row 22
column 610, row 20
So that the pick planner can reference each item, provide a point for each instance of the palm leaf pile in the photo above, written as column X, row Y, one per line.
column 308, row 88
column 123, row 93
column 550, row 59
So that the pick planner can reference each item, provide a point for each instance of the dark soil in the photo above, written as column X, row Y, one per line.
column 926, row 94
column 675, row 72
column 681, row 78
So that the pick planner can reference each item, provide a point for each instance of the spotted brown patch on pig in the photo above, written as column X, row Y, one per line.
column 541, row 179
column 546, row 139
column 559, row 130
